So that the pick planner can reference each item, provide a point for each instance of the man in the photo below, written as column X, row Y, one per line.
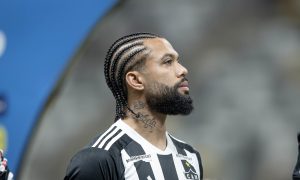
column 5, row 174
column 148, row 82
column 296, row 173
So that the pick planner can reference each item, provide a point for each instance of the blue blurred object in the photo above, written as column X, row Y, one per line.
column 3, row 105
column 37, row 41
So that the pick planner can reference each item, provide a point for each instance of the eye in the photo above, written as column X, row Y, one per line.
column 168, row 61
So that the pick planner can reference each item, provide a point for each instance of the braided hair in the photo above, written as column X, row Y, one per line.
column 126, row 54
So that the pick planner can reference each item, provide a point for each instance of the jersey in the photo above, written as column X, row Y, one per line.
column 296, row 173
column 122, row 154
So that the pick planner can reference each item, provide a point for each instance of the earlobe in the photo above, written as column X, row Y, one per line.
column 134, row 80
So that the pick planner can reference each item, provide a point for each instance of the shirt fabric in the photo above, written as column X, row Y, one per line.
column 296, row 173
column 122, row 154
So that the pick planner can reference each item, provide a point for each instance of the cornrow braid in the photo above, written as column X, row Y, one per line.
column 119, row 82
column 118, row 56
column 123, row 55
column 122, row 41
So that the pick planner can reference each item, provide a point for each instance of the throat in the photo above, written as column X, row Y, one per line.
column 149, row 131
column 147, row 119
column 151, row 126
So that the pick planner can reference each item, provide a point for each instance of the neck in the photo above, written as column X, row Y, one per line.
column 150, row 125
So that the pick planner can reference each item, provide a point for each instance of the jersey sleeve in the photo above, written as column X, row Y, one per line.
column 93, row 164
column 296, row 173
column 200, row 164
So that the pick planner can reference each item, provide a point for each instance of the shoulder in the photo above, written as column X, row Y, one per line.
column 114, row 140
column 90, row 155
column 113, row 137
column 91, row 163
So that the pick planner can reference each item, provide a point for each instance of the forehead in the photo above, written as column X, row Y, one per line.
column 159, row 47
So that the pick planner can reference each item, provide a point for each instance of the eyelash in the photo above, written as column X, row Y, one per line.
column 169, row 61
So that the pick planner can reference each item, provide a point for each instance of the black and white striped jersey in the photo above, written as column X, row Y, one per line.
column 122, row 154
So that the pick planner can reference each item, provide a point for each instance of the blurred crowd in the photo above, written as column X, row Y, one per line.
column 243, row 59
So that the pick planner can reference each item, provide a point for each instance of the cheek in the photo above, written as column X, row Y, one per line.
column 162, row 75
column 163, row 79
column 168, row 79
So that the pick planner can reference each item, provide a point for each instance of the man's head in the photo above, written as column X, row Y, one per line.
column 146, row 65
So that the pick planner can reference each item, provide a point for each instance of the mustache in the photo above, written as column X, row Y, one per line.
column 184, row 79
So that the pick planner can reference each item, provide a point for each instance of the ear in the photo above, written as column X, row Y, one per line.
column 134, row 79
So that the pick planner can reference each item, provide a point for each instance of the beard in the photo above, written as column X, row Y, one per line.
column 168, row 100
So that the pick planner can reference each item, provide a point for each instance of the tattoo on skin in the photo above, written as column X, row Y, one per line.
column 145, row 118
column 139, row 105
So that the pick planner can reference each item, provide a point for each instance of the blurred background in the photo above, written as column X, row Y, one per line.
column 243, row 59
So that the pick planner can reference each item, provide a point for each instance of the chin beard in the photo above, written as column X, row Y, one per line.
column 167, row 100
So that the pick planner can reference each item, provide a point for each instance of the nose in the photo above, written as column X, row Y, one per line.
column 181, row 70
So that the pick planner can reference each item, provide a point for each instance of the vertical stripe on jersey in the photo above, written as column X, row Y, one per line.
column 176, row 159
column 200, row 165
column 103, row 136
column 197, row 163
column 181, row 149
column 168, row 166
column 129, row 170
column 178, row 146
column 143, row 168
column 117, row 147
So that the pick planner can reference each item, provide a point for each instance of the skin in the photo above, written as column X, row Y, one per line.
column 161, row 66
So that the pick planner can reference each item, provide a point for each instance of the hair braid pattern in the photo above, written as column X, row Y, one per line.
column 125, row 54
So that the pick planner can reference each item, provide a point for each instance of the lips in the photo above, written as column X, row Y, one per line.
column 184, row 84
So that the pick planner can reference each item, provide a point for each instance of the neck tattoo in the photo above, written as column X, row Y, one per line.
column 149, row 121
